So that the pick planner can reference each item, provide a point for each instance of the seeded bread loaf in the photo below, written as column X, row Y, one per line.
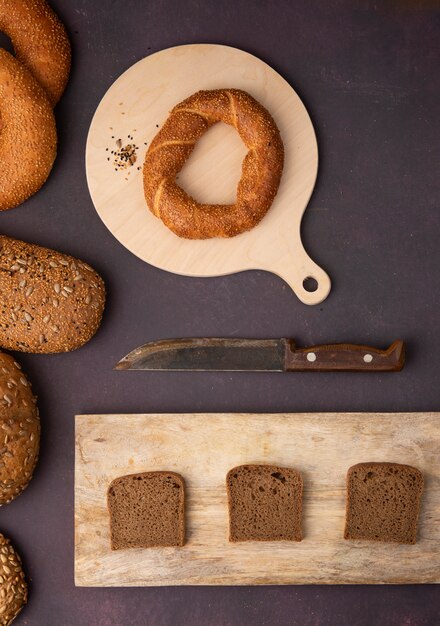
column 13, row 587
column 50, row 302
column 147, row 510
column 383, row 501
column 19, row 430
column 265, row 503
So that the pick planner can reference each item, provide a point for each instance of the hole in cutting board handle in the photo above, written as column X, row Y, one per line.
column 310, row 284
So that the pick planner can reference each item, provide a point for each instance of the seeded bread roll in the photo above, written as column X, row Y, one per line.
column 265, row 503
column 28, row 137
column 13, row 587
column 50, row 302
column 173, row 145
column 40, row 42
column 383, row 502
column 147, row 510
column 19, row 430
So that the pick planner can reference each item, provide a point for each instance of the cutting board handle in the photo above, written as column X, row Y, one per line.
column 309, row 281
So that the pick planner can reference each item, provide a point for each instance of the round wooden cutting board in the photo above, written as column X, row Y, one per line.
column 138, row 103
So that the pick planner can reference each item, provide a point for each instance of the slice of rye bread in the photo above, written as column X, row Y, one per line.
column 383, row 502
column 147, row 510
column 265, row 503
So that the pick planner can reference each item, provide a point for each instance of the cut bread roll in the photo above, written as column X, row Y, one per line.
column 383, row 502
column 265, row 503
column 19, row 430
column 147, row 510
column 50, row 302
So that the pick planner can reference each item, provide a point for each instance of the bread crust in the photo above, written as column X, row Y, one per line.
column 50, row 302
column 13, row 587
column 19, row 430
column 40, row 42
column 28, row 137
column 261, row 170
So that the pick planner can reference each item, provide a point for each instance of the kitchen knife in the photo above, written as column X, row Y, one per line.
column 268, row 355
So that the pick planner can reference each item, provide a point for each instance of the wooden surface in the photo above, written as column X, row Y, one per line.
column 139, row 101
column 203, row 447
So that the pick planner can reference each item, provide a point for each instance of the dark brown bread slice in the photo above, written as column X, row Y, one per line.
column 383, row 501
column 265, row 503
column 147, row 510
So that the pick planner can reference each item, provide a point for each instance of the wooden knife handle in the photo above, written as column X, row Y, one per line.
column 344, row 357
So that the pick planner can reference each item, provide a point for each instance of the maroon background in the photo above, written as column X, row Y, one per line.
column 369, row 76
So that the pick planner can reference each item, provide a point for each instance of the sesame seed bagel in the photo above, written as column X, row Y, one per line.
column 40, row 42
column 19, row 430
column 28, row 137
column 13, row 587
column 49, row 302
column 173, row 144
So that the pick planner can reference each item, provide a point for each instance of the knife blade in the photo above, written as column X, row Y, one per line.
column 256, row 355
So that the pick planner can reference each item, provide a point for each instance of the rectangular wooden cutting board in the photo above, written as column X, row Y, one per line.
column 203, row 447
